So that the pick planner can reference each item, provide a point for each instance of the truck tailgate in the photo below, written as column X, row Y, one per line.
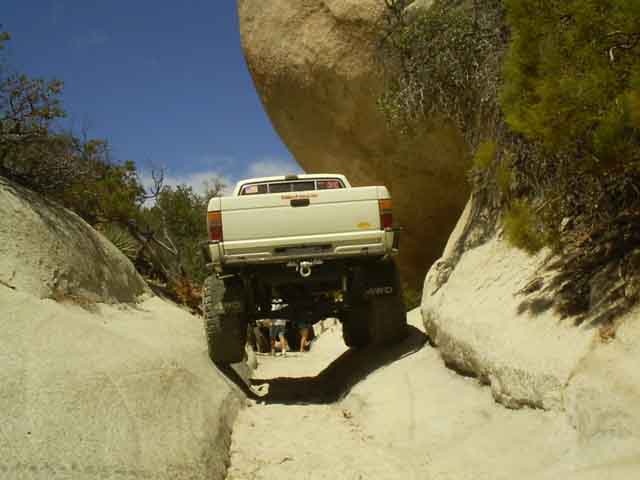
column 300, row 214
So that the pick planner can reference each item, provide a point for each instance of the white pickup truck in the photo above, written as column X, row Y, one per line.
column 311, row 242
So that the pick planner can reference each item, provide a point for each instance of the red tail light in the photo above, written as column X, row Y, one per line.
column 386, row 217
column 214, row 226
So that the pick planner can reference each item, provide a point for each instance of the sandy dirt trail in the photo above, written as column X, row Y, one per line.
column 398, row 413
column 282, row 439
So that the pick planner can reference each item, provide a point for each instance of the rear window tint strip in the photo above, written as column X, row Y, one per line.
column 283, row 187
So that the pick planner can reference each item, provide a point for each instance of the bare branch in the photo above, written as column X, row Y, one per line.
column 152, row 192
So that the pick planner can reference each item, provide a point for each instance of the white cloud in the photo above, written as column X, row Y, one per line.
column 195, row 180
column 272, row 166
column 210, row 167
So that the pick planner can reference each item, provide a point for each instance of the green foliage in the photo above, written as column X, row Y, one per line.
column 4, row 37
column 504, row 175
column 111, row 193
column 569, row 76
column 122, row 239
column 485, row 155
column 572, row 87
column 522, row 227
column 488, row 165
column 178, row 216
column 29, row 104
column 32, row 151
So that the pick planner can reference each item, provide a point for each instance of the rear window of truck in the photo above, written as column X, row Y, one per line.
column 291, row 186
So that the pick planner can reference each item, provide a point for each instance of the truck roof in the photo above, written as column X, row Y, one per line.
column 288, row 178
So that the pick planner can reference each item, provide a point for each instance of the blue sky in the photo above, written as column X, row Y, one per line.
column 164, row 82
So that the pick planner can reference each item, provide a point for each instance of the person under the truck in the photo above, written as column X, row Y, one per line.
column 278, row 331
column 304, row 323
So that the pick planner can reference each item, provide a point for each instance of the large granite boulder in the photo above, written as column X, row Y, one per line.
column 119, row 392
column 314, row 66
column 488, row 308
column 51, row 252
column 98, row 390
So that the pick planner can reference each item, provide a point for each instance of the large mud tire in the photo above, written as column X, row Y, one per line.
column 378, row 315
column 355, row 320
column 355, row 327
column 225, row 319
column 387, row 313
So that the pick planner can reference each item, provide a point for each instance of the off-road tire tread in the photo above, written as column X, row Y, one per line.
column 225, row 322
column 387, row 314
column 377, row 320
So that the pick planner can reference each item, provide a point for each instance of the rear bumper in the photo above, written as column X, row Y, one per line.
column 287, row 249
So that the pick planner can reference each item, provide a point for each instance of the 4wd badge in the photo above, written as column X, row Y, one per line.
column 377, row 291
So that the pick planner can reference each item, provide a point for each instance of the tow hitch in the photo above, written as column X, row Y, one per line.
column 304, row 267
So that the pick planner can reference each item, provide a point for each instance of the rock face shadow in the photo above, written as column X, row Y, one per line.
column 340, row 376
